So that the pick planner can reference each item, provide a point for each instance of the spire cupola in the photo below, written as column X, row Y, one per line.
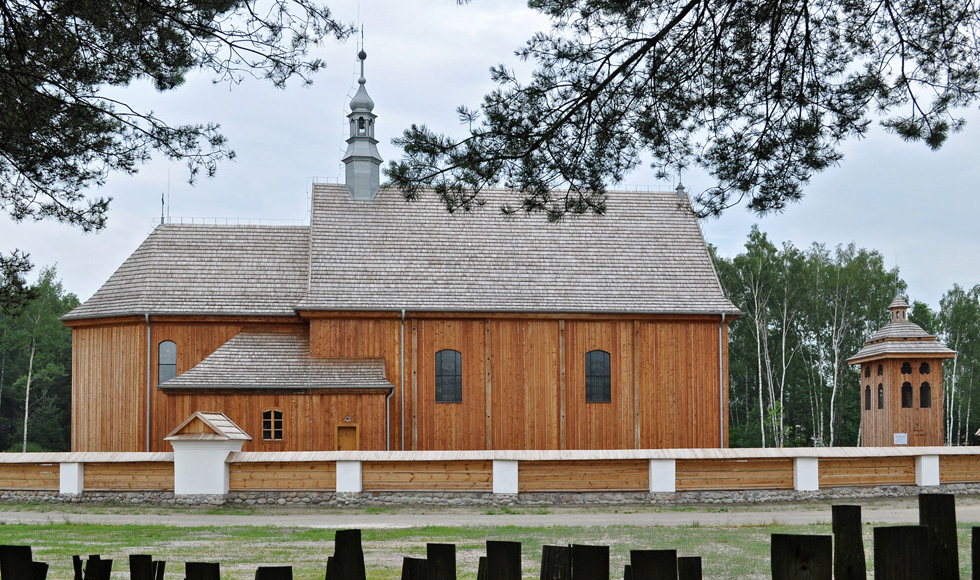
column 899, row 309
column 362, row 160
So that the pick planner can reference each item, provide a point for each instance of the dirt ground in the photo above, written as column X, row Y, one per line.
column 879, row 511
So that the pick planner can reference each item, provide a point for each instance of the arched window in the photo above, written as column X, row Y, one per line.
column 881, row 369
column 906, row 395
column 166, row 361
column 867, row 397
column 449, row 377
column 867, row 371
column 881, row 396
column 361, row 127
column 925, row 395
column 272, row 425
column 924, row 368
column 598, row 387
column 906, row 368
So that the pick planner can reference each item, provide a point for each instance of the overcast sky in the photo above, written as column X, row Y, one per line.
column 426, row 57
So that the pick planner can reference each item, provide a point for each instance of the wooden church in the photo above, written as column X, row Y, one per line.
column 387, row 324
column 901, row 383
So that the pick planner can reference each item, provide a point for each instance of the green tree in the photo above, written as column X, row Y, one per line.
column 62, row 131
column 959, row 323
column 804, row 313
column 35, row 370
column 759, row 94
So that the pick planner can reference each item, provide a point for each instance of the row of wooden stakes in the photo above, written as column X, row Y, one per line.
column 927, row 551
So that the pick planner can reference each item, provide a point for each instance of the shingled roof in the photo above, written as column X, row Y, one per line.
column 901, row 339
column 207, row 269
column 646, row 255
column 257, row 359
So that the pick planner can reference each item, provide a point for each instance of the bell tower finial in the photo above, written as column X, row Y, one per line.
column 362, row 160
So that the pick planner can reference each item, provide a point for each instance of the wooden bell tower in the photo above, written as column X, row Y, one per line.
column 901, row 383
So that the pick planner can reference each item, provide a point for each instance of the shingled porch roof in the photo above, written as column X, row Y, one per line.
column 277, row 360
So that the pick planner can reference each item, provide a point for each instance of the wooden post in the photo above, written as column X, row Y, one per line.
column 590, row 562
column 40, row 570
column 937, row 512
column 556, row 563
column 348, row 560
column 503, row 560
column 414, row 569
column 902, row 553
column 97, row 569
column 689, row 568
column 274, row 573
column 481, row 569
column 202, row 571
column 158, row 569
column 76, row 562
column 653, row 564
column 849, row 561
column 140, row 567
column 442, row 561
column 975, row 552
column 16, row 563
column 627, row 572
column 802, row 557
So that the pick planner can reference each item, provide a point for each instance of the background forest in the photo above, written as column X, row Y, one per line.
column 35, row 368
column 805, row 311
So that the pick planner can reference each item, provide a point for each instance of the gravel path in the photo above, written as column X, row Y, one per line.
column 879, row 512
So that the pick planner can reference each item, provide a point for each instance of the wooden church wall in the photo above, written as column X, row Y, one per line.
column 523, row 383
column 109, row 387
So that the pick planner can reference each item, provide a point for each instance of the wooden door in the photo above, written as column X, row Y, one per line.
column 347, row 439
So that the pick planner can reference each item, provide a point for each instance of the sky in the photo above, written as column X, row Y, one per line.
column 917, row 207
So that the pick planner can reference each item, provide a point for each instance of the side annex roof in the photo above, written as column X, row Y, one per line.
column 205, row 270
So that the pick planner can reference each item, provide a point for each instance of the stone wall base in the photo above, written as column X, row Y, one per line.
column 451, row 499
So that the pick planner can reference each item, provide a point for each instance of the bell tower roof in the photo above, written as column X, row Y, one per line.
column 362, row 162
column 362, row 101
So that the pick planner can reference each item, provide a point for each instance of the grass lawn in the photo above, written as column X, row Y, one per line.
column 727, row 552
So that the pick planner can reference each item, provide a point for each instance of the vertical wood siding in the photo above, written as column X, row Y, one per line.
column 679, row 385
column 523, row 385
column 359, row 338
column 923, row 426
column 452, row 426
column 599, row 425
column 108, row 395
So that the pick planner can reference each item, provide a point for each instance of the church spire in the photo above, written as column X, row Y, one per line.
column 362, row 160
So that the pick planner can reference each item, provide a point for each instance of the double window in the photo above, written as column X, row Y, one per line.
column 449, row 376
column 272, row 425
column 166, row 361
column 598, row 384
